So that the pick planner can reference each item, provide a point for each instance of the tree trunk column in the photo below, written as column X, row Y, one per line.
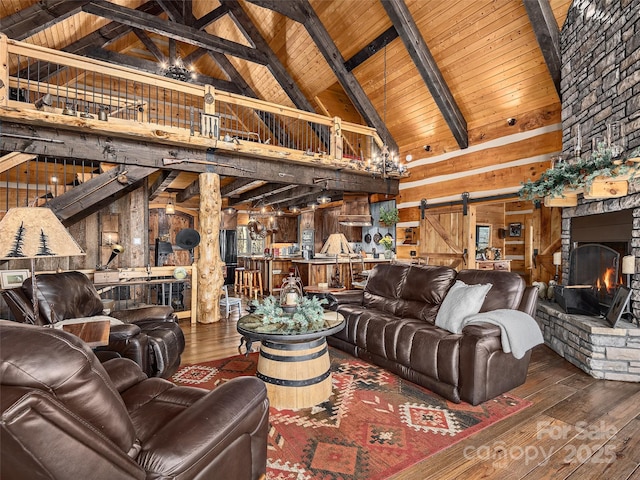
column 210, row 267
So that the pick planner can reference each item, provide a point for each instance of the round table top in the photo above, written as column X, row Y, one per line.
column 251, row 326
column 317, row 289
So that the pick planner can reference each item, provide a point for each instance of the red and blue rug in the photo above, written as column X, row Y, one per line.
column 374, row 425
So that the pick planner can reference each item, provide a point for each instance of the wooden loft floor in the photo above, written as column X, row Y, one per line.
column 577, row 428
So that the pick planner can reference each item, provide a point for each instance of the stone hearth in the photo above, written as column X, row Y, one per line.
column 591, row 344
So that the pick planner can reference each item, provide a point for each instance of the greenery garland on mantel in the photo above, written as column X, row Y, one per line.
column 578, row 174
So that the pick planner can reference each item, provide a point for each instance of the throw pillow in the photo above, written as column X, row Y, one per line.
column 461, row 301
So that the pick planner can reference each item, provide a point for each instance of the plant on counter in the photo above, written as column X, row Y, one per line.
column 389, row 216
column 309, row 313
column 386, row 242
column 577, row 174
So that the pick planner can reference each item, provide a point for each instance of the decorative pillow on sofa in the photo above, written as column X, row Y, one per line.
column 461, row 301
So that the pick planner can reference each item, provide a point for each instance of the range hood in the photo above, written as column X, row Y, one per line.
column 355, row 211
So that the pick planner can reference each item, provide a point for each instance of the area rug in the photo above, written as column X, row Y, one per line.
column 374, row 425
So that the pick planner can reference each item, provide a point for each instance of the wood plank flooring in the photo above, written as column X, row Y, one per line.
column 577, row 428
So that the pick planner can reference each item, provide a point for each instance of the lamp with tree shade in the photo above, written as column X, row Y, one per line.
column 35, row 232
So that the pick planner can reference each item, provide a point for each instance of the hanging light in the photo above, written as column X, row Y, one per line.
column 170, row 208
column 385, row 163
column 323, row 199
column 294, row 209
column 178, row 70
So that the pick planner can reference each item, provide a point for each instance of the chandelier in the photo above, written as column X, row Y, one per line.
column 385, row 163
column 178, row 70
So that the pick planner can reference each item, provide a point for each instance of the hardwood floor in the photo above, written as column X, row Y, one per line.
column 577, row 428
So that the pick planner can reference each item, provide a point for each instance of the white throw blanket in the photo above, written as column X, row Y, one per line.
column 520, row 332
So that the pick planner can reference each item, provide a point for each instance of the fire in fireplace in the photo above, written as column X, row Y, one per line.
column 593, row 279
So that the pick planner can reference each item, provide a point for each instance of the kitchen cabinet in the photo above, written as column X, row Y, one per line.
column 287, row 230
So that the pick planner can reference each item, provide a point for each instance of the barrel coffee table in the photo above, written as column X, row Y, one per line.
column 294, row 365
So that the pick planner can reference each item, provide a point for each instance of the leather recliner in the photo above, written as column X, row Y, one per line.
column 65, row 415
column 150, row 335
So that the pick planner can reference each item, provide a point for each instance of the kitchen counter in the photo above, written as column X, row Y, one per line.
column 321, row 270
column 332, row 260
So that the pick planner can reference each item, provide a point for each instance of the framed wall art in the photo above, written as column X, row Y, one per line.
column 13, row 278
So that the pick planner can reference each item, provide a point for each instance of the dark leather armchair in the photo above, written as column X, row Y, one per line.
column 67, row 416
column 150, row 336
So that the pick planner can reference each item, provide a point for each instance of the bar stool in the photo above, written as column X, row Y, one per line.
column 253, row 283
column 238, row 281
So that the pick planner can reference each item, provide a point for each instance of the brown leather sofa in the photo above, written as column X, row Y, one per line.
column 150, row 335
column 392, row 324
column 66, row 416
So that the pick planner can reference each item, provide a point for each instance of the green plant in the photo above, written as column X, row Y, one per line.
column 576, row 174
column 389, row 216
column 386, row 242
column 308, row 314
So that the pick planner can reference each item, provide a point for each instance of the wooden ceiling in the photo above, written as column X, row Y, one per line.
column 478, row 62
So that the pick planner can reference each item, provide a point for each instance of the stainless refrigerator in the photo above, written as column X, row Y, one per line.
column 229, row 254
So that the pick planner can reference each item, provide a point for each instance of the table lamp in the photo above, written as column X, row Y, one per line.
column 557, row 261
column 35, row 232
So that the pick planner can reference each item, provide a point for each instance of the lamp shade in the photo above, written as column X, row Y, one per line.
column 35, row 232
column 557, row 258
column 629, row 265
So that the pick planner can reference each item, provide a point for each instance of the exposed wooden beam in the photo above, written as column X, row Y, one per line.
column 210, row 17
column 152, row 67
column 57, row 142
column 38, row 17
column 313, row 197
column 349, row 83
column 162, row 183
column 94, row 194
column 290, row 196
column 426, row 65
column 171, row 10
column 183, row 33
column 263, row 192
column 548, row 35
column 288, row 9
column 385, row 38
column 13, row 159
column 238, row 186
column 188, row 193
column 244, row 23
column 149, row 45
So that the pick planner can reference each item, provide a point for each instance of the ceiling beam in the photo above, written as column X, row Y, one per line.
column 238, row 186
column 288, row 9
column 548, row 35
column 385, row 38
column 183, row 33
column 210, row 17
column 162, row 183
column 427, row 67
column 155, row 68
column 188, row 193
column 97, row 192
column 38, row 17
column 92, row 146
column 171, row 10
column 262, row 192
column 149, row 45
column 349, row 83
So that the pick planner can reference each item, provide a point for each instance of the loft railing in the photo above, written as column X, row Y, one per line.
column 50, row 86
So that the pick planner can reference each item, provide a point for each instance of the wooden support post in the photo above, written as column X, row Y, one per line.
column 4, row 70
column 210, row 275
column 470, row 236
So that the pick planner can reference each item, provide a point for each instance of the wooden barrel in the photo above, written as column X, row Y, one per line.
column 297, row 375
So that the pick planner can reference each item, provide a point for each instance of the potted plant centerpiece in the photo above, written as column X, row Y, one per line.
column 387, row 243
column 307, row 315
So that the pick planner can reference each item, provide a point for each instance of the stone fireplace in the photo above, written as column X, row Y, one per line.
column 600, row 82
column 588, row 341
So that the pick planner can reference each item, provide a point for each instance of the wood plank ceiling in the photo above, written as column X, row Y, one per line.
column 422, row 72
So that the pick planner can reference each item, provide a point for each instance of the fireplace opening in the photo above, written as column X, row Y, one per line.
column 599, row 242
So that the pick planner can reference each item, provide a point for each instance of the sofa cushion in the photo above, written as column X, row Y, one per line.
column 508, row 287
column 461, row 301
column 65, row 295
column 418, row 301
column 383, row 288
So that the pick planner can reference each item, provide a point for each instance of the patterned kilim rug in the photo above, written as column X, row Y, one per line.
column 374, row 425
